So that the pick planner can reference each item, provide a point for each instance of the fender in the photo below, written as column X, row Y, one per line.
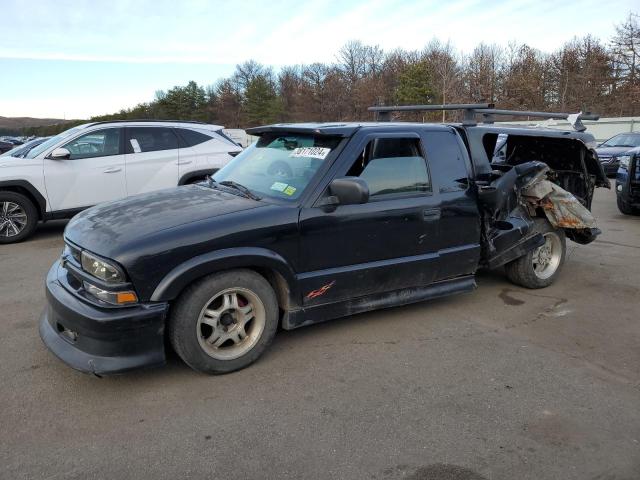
column 196, row 174
column 41, row 203
column 197, row 267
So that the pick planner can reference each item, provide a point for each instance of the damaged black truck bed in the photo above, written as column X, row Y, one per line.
column 314, row 222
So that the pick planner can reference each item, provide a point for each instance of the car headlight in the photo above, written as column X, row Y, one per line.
column 101, row 268
column 624, row 161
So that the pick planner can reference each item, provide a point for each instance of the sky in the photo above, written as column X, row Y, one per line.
column 77, row 58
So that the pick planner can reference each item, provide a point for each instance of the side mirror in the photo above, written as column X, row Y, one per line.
column 60, row 154
column 347, row 191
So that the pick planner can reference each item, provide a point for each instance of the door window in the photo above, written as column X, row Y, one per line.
column 151, row 139
column 99, row 143
column 392, row 166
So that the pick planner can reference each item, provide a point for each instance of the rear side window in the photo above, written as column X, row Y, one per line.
column 392, row 166
column 99, row 143
column 443, row 150
column 191, row 138
column 151, row 139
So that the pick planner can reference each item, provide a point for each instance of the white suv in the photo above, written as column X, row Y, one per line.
column 104, row 161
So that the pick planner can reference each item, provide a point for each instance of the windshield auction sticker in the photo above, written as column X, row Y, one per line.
column 279, row 186
column 310, row 152
column 284, row 188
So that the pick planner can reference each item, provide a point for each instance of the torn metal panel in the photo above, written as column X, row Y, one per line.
column 561, row 208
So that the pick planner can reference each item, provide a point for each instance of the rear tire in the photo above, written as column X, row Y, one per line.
column 541, row 266
column 18, row 217
column 224, row 322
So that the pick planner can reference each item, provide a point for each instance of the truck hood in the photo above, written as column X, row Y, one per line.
column 108, row 227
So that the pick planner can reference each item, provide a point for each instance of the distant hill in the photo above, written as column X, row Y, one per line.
column 15, row 125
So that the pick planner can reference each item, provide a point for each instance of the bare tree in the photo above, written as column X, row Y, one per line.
column 248, row 71
column 482, row 73
column 443, row 62
column 626, row 56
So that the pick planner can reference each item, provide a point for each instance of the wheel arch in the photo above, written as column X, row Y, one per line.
column 189, row 176
column 273, row 267
column 28, row 190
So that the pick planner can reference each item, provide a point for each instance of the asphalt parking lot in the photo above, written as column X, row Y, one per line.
column 503, row 383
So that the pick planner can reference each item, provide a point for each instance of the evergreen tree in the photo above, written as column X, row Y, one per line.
column 261, row 103
column 414, row 85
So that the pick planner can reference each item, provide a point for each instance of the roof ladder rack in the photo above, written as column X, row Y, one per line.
column 488, row 112
column 383, row 114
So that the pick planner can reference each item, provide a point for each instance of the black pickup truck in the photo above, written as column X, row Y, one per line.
column 311, row 223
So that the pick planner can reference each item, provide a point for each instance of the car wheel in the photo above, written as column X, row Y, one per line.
column 541, row 266
column 224, row 322
column 18, row 217
column 624, row 207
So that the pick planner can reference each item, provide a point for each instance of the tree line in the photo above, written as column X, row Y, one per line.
column 584, row 74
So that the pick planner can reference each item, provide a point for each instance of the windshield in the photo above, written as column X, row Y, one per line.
column 279, row 165
column 51, row 142
column 623, row 140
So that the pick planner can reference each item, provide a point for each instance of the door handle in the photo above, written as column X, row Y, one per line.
column 112, row 170
column 431, row 214
column 185, row 162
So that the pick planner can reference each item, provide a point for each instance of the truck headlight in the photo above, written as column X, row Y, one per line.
column 114, row 298
column 624, row 161
column 101, row 268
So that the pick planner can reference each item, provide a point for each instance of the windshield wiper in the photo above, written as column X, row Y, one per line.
column 241, row 188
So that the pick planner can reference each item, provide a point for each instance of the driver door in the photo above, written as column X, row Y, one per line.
column 386, row 244
column 93, row 173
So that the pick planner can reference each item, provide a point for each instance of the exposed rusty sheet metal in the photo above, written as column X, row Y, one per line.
column 561, row 208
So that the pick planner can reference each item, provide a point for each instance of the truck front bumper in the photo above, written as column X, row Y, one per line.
column 100, row 340
column 628, row 184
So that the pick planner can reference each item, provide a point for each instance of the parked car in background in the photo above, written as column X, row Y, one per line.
column 6, row 146
column 628, row 183
column 15, row 141
column 240, row 136
column 21, row 151
column 610, row 151
column 104, row 161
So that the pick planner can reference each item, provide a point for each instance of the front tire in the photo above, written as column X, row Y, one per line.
column 18, row 217
column 541, row 266
column 224, row 322
column 624, row 207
